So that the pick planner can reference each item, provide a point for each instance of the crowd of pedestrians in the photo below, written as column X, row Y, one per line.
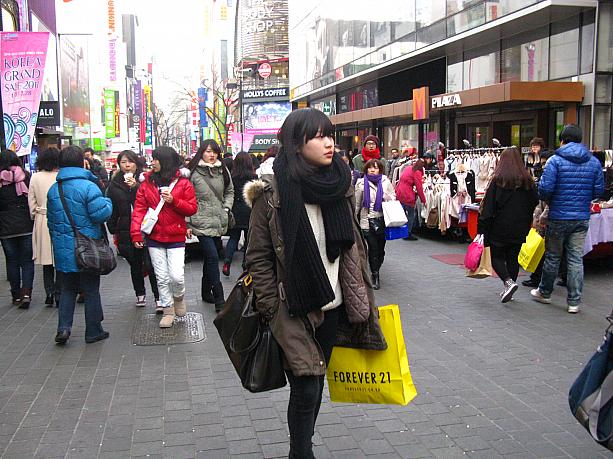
column 309, row 216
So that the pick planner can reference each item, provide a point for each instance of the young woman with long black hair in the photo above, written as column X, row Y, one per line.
column 305, row 246
column 122, row 191
column 215, row 195
column 166, row 242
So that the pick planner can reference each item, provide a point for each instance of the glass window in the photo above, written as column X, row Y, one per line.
column 405, row 19
column 409, row 137
column 431, row 34
column 585, row 122
column 587, row 42
column 454, row 74
column 453, row 6
column 564, row 48
column 379, row 34
column 498, row 8
column 602, row 127
column 604, row 87
column 466, row 19
column 605, row 38
column 482, row 69
column 428, row 12
column 525, row 58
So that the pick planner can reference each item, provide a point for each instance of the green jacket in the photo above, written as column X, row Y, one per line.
column 211, row 219
column 358, row 164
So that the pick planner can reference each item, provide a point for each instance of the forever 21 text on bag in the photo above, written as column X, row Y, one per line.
column 365, row 376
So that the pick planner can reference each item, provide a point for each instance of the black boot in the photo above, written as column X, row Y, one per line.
column 205, row 293
column 218, row 296
column 375, row 280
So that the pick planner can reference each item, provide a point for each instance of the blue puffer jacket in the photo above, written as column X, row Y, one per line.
column 572, row 178
column 88, row 208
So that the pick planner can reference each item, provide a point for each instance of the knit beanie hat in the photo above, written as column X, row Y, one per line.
column 374, row 138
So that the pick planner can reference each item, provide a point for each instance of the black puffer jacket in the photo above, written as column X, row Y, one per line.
column 14, row 211
column 506, row 215
column 240, row 209
column 122, row 197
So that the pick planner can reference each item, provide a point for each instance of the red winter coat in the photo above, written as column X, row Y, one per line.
column 410, row 186
column 171, row 225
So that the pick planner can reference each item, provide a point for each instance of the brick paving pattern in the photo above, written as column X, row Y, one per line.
column 492, row 379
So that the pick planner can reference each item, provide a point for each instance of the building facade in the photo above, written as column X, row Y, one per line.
column 505, row 69
column 262, row 69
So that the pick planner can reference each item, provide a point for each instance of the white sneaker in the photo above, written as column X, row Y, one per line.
column 158, row 307
column 573, row 309
column 507, row 293
column 141, row 301
column 538, row 296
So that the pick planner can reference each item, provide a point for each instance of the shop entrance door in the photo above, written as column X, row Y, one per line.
column 479, row 135
column 518, row 133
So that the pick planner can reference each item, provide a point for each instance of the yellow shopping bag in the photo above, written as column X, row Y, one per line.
column 381, row 377
column 531, row 251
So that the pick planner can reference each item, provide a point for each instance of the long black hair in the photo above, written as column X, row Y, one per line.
column 133, row 158
column 170, row 163
column 242, row 166
column 8, row 159
column 203, row 146
column 299, row 127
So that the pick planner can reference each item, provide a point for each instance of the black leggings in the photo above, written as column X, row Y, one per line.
column 376, row 249
column 138, row 277
column 306, row 391
column 504, row 261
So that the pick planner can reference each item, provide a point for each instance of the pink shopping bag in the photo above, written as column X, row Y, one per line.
column 473, row 254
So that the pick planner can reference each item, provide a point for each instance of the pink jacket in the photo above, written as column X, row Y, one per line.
column 410, row 186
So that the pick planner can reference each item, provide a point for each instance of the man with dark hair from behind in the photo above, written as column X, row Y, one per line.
column 98, row 170
column 571, row 179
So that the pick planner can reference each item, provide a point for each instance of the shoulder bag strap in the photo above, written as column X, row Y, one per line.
column 158, row 209
column 215, row 192
column 68, row 214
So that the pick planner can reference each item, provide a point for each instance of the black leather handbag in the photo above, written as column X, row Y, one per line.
column 94, row 256
column 377, row 225
column 253, row 350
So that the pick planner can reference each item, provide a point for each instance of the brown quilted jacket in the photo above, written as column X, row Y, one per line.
column 358, row 323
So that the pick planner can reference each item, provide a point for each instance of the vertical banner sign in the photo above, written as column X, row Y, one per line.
column 202, row 107
column 112, row 41
column 138, row 107
column 23, row 57
column 109, row 113
column 116, row 111
column 421, row 103
column 148, row 121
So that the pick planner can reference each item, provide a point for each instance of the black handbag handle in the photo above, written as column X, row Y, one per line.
column 246, row 314
column 69, row 215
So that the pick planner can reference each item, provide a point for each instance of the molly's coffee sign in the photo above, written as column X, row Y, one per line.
column 48, row 114
column 265, row 93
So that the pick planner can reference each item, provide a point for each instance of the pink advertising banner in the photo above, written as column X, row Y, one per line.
column 241, row 142
column 22, row 67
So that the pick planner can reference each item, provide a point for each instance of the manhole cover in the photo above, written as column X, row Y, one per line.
column 188, row 329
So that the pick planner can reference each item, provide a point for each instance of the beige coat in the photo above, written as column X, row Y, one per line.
column 42, row 253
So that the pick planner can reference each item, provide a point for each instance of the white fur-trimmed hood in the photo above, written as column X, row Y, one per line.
column 253, row 190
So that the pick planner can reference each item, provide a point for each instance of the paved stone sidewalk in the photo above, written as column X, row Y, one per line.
column 492, row 378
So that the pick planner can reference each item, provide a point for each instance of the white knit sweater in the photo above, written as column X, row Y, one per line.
column 317, row 224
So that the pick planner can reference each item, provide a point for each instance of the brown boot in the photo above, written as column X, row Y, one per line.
column 168, row 318
column 180, row 306
column 26, row 298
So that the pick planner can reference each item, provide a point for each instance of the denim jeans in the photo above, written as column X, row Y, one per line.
column 169, row 267
column 19, row 263
column 306, row 391
column 410, row 213
column 564, row 236
column 210, row 269
column 231, row 246
column 89, row 284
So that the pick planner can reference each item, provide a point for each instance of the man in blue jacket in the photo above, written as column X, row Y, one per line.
column 572, row 178
column 89, row 209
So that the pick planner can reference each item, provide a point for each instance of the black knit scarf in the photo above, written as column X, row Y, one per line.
column 306, row 284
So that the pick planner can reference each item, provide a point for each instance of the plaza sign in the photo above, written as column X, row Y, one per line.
column 446, row 101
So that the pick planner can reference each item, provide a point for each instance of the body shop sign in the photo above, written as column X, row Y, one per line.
column 23, row 57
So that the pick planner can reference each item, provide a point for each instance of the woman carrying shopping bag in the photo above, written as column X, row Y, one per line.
column 166, row 240
column 369, row 210
column 215, row 195
column 122, row 191
column 307, row 258
column 47, row 165
column 506, row 217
